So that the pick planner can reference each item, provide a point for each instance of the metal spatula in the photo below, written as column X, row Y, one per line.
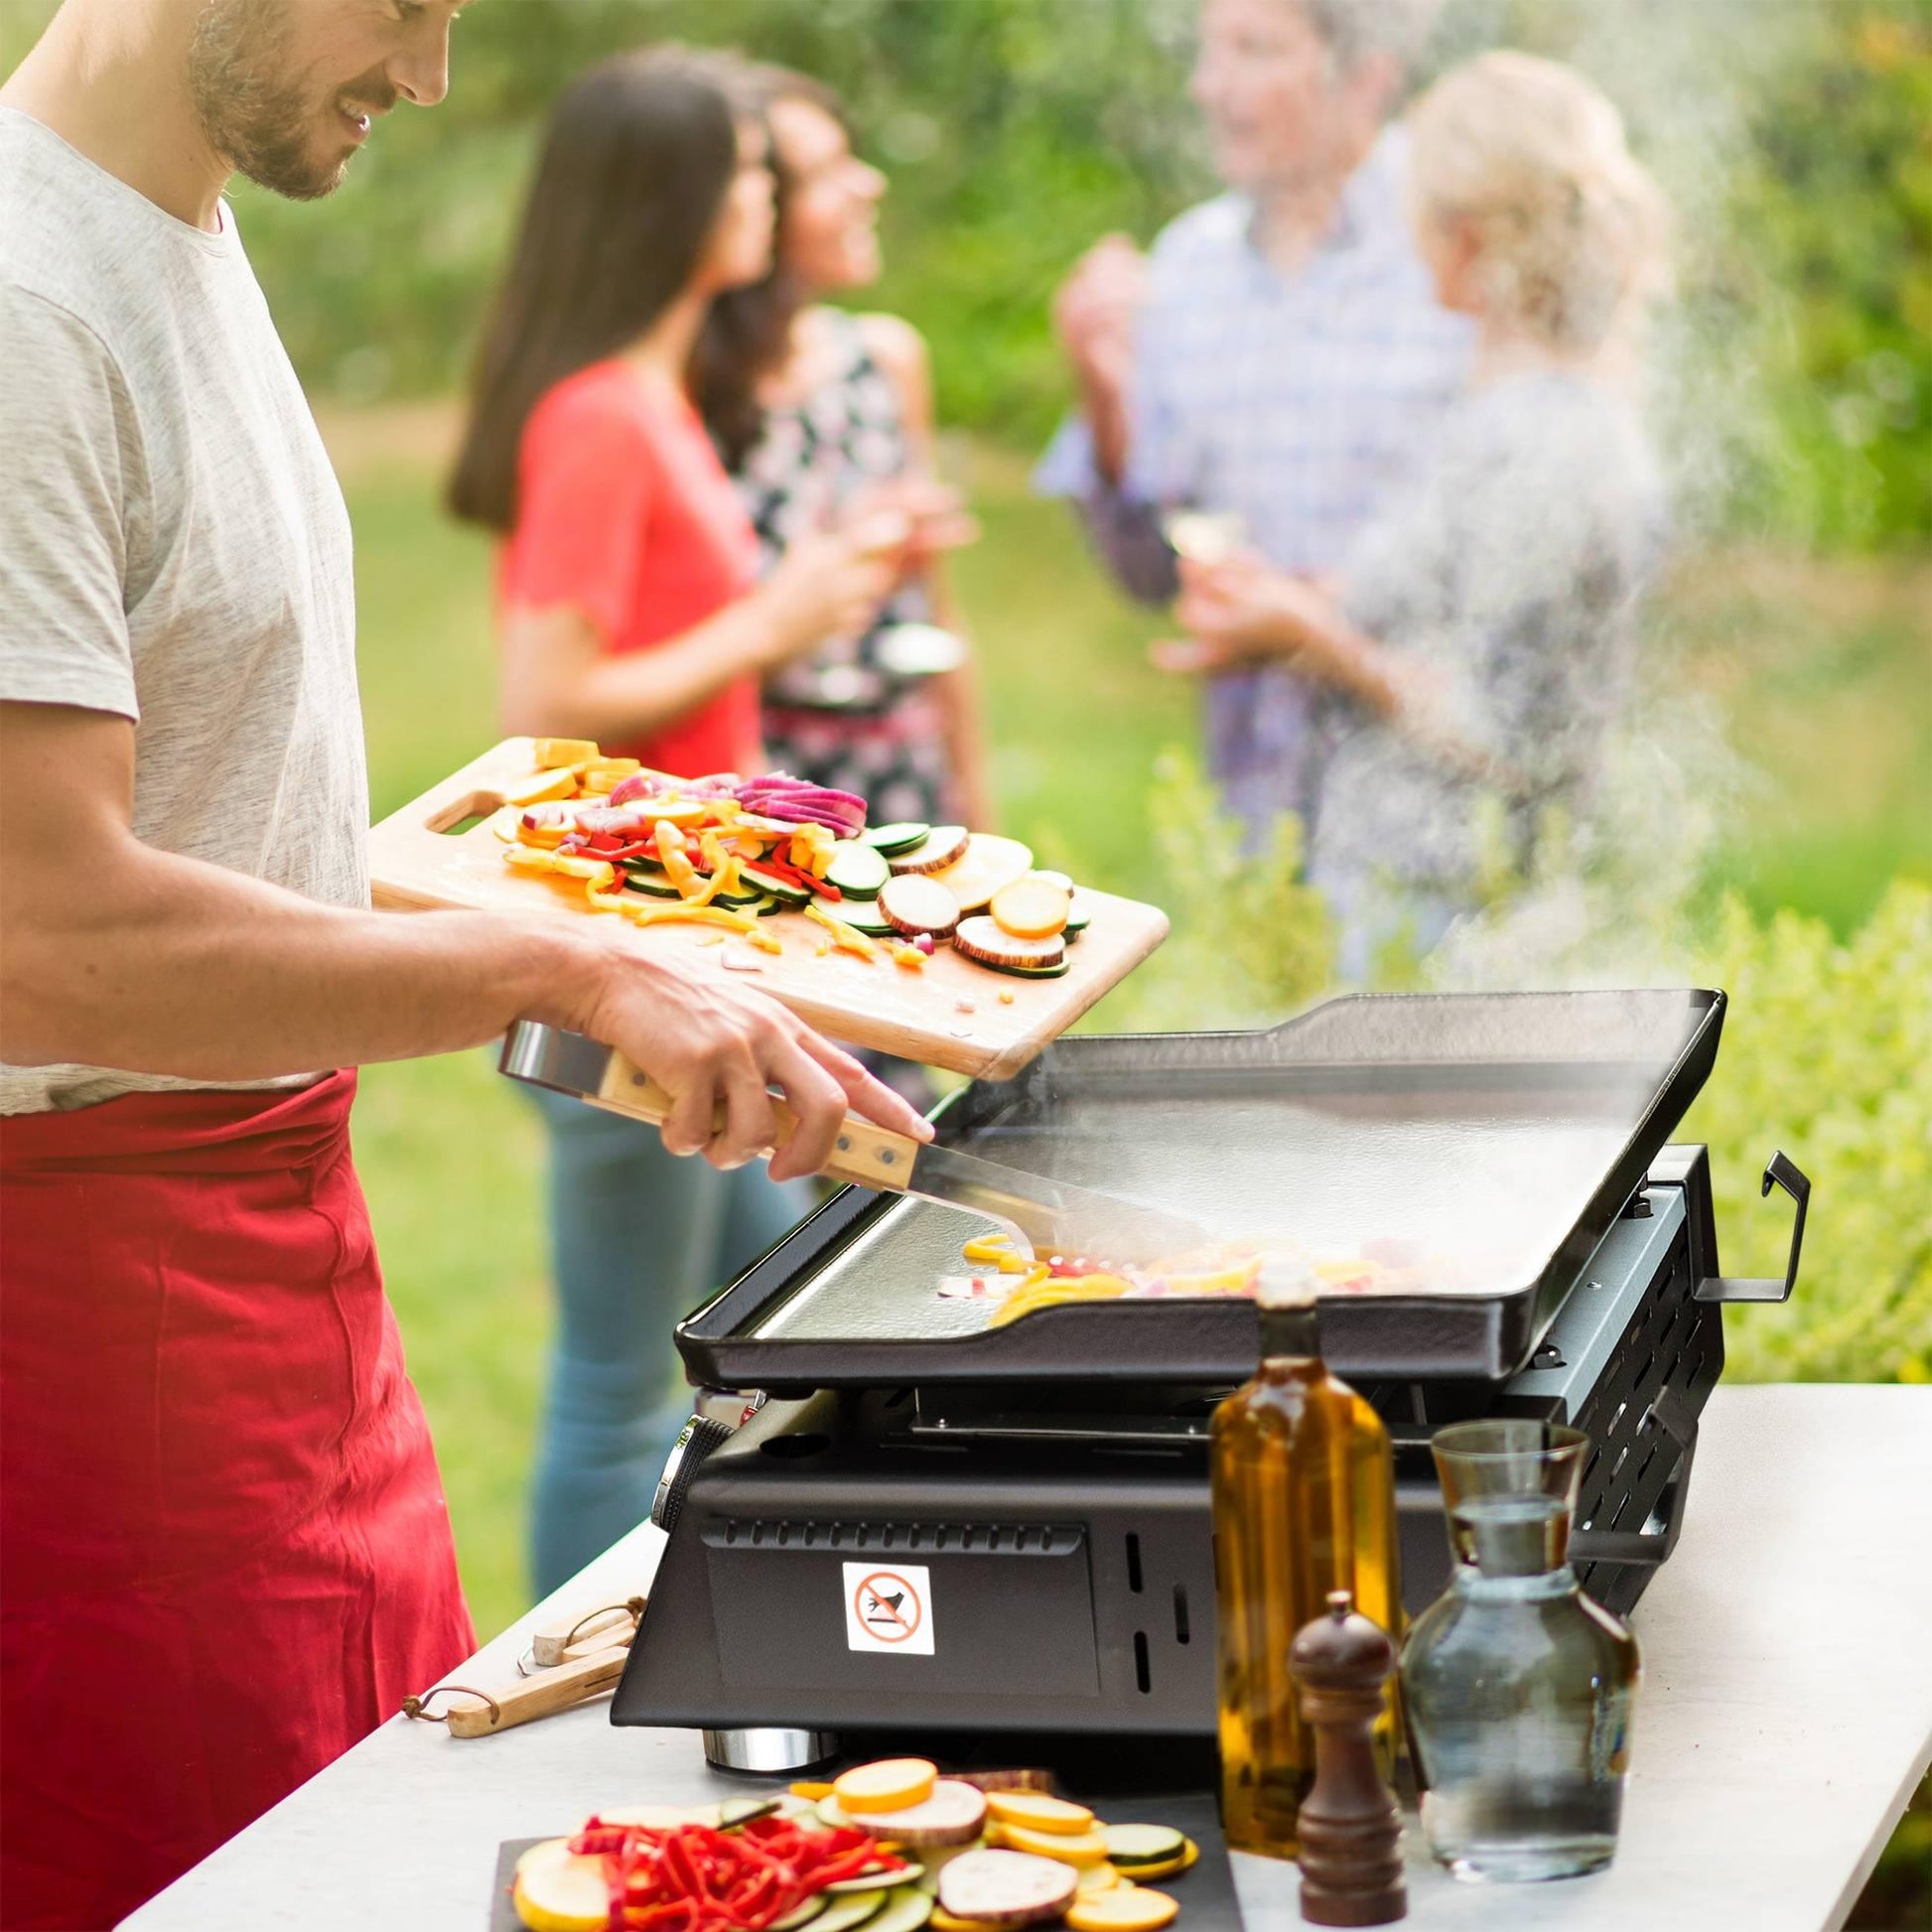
column 1049, row 1217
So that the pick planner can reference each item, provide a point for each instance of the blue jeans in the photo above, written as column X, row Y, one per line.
column 638, row 1239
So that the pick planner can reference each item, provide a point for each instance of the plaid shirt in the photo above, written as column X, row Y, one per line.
column 1293, row 401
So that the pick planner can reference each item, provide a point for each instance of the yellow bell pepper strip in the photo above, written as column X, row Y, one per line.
column 987, row 1247
column 741, row 924
column 844, row 939
column 611, row 898
column 670, row 849
column 724, row 879
column 553, row 752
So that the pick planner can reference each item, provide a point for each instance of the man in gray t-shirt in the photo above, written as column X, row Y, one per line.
column 223, row 1551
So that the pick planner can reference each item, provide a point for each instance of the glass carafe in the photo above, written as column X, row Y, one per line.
column 1518, row 1688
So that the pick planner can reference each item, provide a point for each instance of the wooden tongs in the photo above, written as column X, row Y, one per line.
column 567, row 1664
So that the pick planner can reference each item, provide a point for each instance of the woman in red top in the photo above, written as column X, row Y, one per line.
column 631, row 613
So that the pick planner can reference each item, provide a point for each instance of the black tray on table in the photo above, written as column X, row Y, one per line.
column 1204, row 1893
column 1504, row 1132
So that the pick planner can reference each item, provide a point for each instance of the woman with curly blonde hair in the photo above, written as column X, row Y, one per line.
column 1479, row 648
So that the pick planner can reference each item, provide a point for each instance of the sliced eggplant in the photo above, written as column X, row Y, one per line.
column 913, row 904
column 985, row 939
column 1007, row 1888
column 955, row 1814
column 940, row 847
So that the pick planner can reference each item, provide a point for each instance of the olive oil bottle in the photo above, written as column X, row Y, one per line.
column 1304, row 1504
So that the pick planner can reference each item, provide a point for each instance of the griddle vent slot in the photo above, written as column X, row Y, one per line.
column 894, row 1539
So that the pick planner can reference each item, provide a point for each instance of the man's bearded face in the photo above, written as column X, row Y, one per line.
column 272, row 114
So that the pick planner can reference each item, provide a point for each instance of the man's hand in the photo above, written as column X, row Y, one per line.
column 720, row 1050
column 1094, row 315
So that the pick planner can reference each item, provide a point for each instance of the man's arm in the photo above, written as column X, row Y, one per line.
column 115, row 954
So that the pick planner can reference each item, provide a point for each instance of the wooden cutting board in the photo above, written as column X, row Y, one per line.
column 950, row 1014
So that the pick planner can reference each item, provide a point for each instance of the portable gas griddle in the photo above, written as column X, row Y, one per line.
column 886, row 1515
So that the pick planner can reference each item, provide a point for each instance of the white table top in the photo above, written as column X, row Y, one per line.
column 1771, row 1756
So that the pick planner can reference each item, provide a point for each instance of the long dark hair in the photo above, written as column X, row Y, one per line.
column 638, row 158
column 747, row 331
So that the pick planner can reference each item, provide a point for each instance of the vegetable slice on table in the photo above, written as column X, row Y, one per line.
column 1143, row 1844
column 841, row 1914
column 861, row 914
column 905, row 1911
column 984, row 939
column 884, row 1879
column 1005, row 1888
column 940, row 847
column 1126, row 1909
column 803, row 1916
column 888, row 1784
column 1097, row 1877
column 952, row 1813
column 1036, row 1811
column 892, row 840
column 917, row 903
column 556, row 1890
column 1070, row 1848
column 1032, row 908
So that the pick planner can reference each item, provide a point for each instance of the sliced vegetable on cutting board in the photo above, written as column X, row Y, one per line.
column 940, row 847
column 1032, row 908
column 855, row 1909
column 905, row 1911
column 1006, row 1888
column 917, row 902
column 856, row 868
column 556, row 1890
column 986, row 940
column 892, row 840
column 987, row 863
column 888, row 1784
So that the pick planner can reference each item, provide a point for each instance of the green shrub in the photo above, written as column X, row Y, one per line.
column 1827, row 1053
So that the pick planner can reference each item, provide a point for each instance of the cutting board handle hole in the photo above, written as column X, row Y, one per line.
column 464, row 814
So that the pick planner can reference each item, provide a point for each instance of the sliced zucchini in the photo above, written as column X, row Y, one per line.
column 853, row 1909
column 741, row 1811
column 803, row 1915
column 653, row 885
column 1143, row 1844
column 783, row 889
column 892, row 840
column 905, row 1909
column 862, row 914
column 904, row 1875
column 1056, row 972
column 857, row 870
column 1079, row 914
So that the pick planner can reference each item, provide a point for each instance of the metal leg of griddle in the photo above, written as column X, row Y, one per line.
column 772, row 1750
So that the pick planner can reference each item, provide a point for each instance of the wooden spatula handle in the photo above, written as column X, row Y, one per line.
column 874, row 1156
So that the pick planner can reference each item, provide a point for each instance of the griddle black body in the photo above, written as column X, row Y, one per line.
column 1059, row 1543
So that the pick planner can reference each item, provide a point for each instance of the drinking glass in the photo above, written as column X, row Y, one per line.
column 1518, row 1688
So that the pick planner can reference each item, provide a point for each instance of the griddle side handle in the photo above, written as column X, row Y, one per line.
column 1745, row 1288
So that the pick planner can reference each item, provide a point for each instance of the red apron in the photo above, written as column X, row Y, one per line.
column 224, row 1553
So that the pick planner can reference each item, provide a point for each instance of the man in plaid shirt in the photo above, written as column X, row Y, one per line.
column 1278, row 360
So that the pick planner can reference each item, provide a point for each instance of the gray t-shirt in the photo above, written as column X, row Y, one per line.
column 174, row 547
column 1511, row 568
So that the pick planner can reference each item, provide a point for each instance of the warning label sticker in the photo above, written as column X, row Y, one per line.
column 888, row 1609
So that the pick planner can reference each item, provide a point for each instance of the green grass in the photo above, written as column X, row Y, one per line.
column 1824, row 669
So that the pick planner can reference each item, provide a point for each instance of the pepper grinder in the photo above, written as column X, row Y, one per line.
column 1350, row 1829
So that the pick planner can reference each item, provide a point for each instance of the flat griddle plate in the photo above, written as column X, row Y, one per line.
column 1497, row 1136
